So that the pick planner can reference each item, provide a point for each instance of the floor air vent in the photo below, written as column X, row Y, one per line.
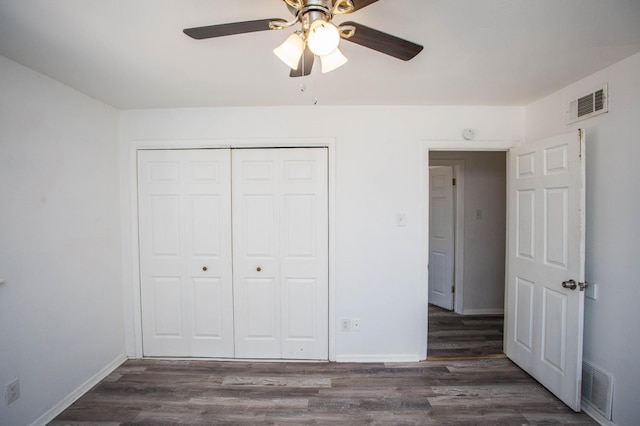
column 589, row 105
column 597, row 389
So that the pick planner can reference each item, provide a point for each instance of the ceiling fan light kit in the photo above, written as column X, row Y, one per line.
column 333, row 61
column 323, row 37
column 291, row 50
column 318, row 35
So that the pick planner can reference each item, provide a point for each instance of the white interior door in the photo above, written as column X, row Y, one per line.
column 544, row 320
column 280, row 253
column 441, row 236
column 184, row 213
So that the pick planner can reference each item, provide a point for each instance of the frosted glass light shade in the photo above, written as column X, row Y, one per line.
column 323, row 37
column 333, row 60
column 291, row 50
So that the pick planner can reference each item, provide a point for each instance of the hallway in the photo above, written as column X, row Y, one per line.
column 453, row 335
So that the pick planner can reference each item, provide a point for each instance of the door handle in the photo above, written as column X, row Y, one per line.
column 572, row 285
column 258, row 269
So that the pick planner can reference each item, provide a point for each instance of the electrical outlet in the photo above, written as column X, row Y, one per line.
column 355, row 324
column 13, row 391
column 345, row 325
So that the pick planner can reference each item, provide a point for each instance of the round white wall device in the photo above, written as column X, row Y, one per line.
column 468, row 134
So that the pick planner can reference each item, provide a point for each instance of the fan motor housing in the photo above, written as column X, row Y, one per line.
column 326, row 7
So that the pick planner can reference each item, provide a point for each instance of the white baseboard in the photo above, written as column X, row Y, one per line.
column 81, row 390
column 483, row 312
column 595, row 415
column 378, row 358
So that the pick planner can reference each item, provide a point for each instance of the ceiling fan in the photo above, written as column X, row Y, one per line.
column 317, row 35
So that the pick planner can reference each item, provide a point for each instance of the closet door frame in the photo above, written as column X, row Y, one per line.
column 133, row 310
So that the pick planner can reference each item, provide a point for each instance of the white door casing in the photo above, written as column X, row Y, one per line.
column 441, row 236
column 544, row 320
column 184, row 201
column 280, row 252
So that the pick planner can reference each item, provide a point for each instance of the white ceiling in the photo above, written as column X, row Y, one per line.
column 133, row 54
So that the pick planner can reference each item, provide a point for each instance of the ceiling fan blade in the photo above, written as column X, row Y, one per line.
column 305, row 65
column 211, row 31
column 359, row 4
column 383, row 42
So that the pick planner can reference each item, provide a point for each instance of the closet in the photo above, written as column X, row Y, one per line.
column 234, row 252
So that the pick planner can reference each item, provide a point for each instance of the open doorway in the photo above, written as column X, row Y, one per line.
column 467, row 226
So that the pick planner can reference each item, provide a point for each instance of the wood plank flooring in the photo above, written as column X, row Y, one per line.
column 468, row 392
column 452, row 335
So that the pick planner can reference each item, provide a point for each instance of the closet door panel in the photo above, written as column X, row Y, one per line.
column 184, row 209
column 304, row 254
column 256, row 267
column 280, row 248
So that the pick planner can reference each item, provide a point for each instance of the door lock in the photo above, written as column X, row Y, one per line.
column 572, row 285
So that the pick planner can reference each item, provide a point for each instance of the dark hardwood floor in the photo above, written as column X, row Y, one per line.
column 452, row 392
column 463, row 336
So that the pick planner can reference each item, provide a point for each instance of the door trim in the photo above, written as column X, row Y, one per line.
column 129, row 215
column 443, row 145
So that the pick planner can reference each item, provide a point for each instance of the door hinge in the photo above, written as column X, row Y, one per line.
column 453, row 289
column 453, row 181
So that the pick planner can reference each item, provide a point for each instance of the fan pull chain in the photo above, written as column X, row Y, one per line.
column 314, row 90
column 303, row 88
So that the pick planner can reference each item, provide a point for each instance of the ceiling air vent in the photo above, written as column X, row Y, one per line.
column 589, row 105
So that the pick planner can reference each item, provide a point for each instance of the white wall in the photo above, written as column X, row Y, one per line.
column 484, row 239
column 612, row 340
column 380, row 160
column 61, row 305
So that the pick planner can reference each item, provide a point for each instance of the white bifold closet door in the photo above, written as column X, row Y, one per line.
column 280, row 253
column 262, row 295
column 184, row 199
